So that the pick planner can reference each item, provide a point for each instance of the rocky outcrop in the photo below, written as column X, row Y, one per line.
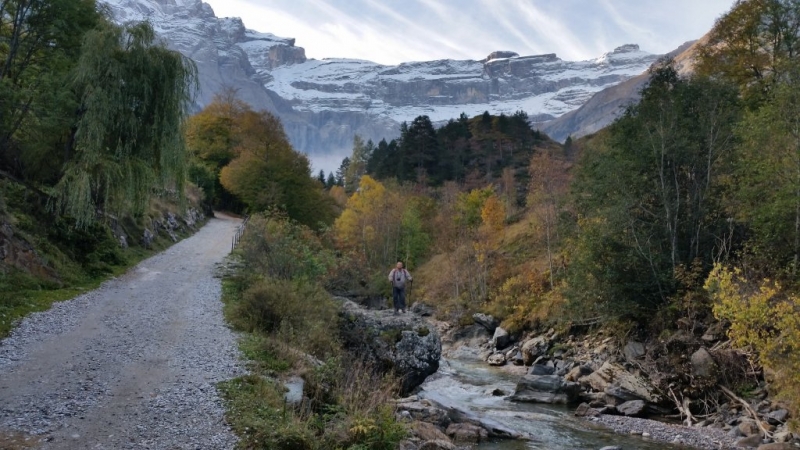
column 18, row 253
column 607, row 105
column 546, row 389
column 404, row 344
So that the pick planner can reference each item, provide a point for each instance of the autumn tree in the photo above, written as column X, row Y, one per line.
column 269, row 174
column 752, row 44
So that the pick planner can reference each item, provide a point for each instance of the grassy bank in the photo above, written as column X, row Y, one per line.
column 288, row 330
column 46, row 259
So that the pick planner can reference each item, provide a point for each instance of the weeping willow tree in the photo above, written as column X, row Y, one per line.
column 128, row 138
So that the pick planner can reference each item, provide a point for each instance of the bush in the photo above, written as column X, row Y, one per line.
column 298, row 312
column 276, row 247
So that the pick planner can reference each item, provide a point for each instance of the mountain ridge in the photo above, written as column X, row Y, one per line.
column 324, row 103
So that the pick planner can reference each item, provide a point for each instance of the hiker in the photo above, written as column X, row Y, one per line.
column 398, row 276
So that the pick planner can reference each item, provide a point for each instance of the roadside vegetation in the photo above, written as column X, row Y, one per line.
column 277, row 298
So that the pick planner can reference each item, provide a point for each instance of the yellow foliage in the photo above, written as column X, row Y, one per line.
column 764, row 318
column 493, row 214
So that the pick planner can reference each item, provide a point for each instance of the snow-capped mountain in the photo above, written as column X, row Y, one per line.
column 323, row 103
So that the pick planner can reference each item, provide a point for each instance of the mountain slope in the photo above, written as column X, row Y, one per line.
column 323, row 103
column 605, row 106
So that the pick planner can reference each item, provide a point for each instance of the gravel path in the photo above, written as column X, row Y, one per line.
column 132, row 364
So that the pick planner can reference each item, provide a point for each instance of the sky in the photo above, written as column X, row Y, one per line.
column 394, row 31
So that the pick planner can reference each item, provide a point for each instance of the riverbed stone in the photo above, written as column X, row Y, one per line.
column 585, row 410
column 486, row 321
column 466, row 433
column 533, row 349
column 777, row 446
column 632, row 408
column 541, row 369
column 425, row 411
column 437, row 444
column 748, row 427
column 615, row 381
column 497, row 359
column 428, row 431
column 501, row 338
column 750, row 441
column 546, row 389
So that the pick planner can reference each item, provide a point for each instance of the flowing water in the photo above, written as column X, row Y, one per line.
column 468, row 386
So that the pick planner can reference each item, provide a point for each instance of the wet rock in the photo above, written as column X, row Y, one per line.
column 501, row 338
column 428, row 431
column 497, row 392
column 611, row 447
column 437, row 444
column 486, row 321
column 778, row 416
column 517, row 359
column 633, row 350
column 546, row 389
column 497, row 359
column 615, row 381
column 533, row 349
column 425, row 411
column 703, row 364
column 585, row 410
column 541, row 369
column 633, row 408
column 466, row 433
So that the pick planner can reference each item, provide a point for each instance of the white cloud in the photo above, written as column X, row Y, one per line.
column 394, row 31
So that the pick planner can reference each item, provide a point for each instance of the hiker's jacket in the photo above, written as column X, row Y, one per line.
column 398, row 277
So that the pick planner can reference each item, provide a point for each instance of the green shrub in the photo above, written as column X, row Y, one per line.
column 275, row 247
column 298, row 312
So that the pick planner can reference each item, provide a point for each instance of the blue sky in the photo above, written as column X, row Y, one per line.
column 393, row 31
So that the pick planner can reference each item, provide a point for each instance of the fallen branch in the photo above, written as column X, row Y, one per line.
column 749, row 409
column 683, row 407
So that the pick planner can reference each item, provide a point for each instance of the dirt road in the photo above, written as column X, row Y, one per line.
column 132, row 364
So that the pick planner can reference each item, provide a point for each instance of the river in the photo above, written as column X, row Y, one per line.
column 468, row 386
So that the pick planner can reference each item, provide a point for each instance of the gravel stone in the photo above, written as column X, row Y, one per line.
column 701, row 438
column 132, row 364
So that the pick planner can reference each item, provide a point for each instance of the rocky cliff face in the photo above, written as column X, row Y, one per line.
column 605, row 106
column 323, row 103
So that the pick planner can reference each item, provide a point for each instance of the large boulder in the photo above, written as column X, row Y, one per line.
column 534, row 348
column 632, row 408
column 703, row 364
column 501, row 338
column 486, row 321
column 617, row 382
column 466, row 433
column 404, row 344
column 546, row 389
